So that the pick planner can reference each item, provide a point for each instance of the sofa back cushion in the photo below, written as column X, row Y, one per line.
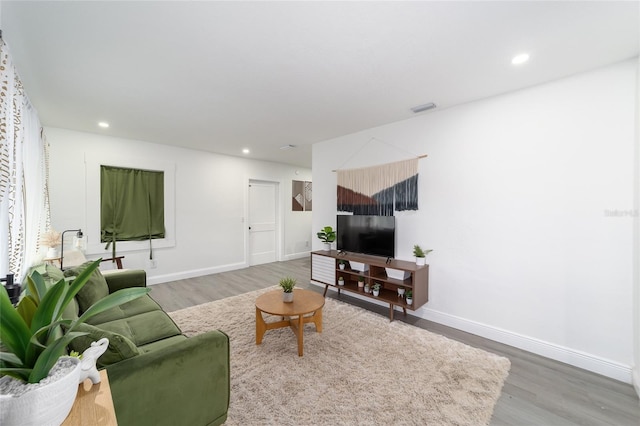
column 95, row 289
column 120, row 347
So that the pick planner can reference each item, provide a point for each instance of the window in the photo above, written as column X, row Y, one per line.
column 131, row 205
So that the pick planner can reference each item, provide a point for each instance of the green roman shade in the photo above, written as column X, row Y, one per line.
column 132, row 205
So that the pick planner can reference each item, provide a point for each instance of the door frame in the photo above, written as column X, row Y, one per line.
column 279, row 227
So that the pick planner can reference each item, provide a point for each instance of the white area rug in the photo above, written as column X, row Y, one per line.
column 361, row 370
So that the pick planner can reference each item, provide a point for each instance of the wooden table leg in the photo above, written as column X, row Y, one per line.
column 300, row 333
column 317, row 320
column 390, row 312
column 326, row 287
column 261, row 326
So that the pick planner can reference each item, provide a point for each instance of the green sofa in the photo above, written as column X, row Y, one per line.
column 157, row 375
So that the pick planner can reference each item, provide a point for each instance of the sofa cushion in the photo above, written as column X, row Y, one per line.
column 144, row 328
column 129, row 309
column 119, row 347
column 51, row 275
column 160, row 344
column 95, row 289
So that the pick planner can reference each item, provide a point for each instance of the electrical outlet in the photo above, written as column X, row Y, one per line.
column 153, row 263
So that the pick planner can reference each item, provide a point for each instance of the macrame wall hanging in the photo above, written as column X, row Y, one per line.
column 379, row 190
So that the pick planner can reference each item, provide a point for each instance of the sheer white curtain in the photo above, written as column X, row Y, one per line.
column 24, row 194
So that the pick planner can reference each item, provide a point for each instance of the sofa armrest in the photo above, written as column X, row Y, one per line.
column 125, row 278
column 187, row 383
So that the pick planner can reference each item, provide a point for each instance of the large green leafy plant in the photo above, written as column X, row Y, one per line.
column 31, row 337
column 327, row 234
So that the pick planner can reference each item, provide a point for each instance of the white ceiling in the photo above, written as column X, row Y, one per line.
column 221, row 76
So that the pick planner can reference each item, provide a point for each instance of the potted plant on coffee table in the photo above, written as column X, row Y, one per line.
column 32, row 342
column 287, row 284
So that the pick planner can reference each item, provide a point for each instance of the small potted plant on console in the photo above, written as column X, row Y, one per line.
column 342, row 264
column 409, row 297
column 420, row 254
column 287, row 284
column 360, row 282
column 327, row 235
column 340, row 281
column 376, row 289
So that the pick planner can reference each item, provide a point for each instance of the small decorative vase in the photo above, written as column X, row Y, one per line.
column 287, row 297
column 400, row 291
column 52, row 253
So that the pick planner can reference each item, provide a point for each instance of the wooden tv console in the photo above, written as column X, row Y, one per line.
column 325, row 270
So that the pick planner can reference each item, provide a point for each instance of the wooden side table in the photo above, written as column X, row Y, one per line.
column 93, row 405
column 304, row 302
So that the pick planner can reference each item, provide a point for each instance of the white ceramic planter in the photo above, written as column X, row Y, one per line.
column 357, row 266
column 376, row 293
column 340, row 281
column 397, row 274
column 421, row 261
column 52, row 253
column 401, row 291
column 409, row 301
column 341, row 266
column 287, row 297
column 47, row 405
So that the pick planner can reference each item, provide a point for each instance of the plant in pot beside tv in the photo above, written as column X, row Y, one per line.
column 327, row 235
column 420, row 254
column 287, row 284
column 360, row 282
column 33, row 389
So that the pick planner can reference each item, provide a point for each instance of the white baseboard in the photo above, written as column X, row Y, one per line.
column 159, row 279
column 569, row 356
column 636, row 380
column 293, row 256
column 183, row 275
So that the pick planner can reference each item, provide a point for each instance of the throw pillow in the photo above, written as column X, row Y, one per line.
column 95, row 289
column 120, row 347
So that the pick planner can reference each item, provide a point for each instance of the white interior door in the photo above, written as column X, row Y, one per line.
column 262, row 222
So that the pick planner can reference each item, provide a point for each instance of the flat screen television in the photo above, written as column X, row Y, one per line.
column 367, row 234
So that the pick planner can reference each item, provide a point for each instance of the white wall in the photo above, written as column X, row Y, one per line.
column 211, row 193
column 516, row 196
column 636, row 238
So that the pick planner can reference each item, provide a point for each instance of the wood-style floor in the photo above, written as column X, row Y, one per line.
column 538, row 391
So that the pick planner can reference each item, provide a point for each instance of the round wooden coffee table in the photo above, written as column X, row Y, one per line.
column 295, row 314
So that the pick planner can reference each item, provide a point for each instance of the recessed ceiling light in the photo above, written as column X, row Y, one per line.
column 285, row 147
column 245, row 150
column 103, row 124
column 520, row 59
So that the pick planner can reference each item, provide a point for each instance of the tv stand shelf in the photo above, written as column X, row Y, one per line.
column 325, row 270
